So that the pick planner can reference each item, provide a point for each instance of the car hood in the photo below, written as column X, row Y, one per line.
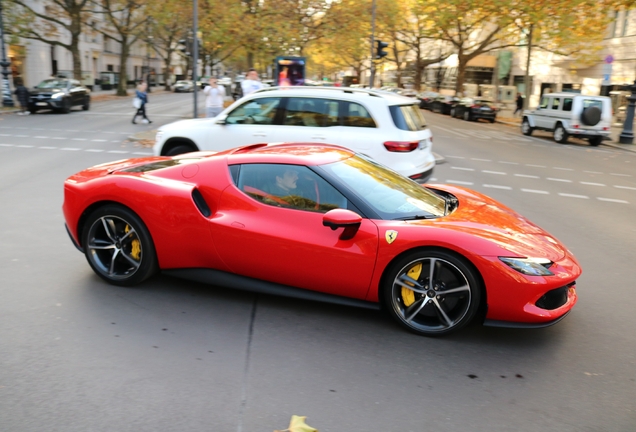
column 46, row 90
column 483, row 217
column 188, row 124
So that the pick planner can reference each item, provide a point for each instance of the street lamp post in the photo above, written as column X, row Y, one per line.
column 7, row 99
column 627, row 136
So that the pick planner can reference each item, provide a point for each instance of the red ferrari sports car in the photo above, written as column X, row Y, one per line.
column 322, row 223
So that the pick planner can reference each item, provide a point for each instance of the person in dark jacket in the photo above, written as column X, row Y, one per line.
column 23, row 96
column 143, row 96
column 519, row 104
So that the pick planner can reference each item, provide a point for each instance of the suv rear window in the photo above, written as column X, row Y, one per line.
column 408, row 117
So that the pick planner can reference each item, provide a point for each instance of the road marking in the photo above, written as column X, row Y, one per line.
column 44, row 137
column 481, row 160
column 592, row 184
column 25, row 146
column 559, row 180
column 509, row 163
column 59, row 138
column 573, row 196
column 612, row 200
column 592, row 172
column 5, row 134
column 47, row 148
column 70, row 148
column 454, row 157
column 79, row 139
column 535, row 191
column 463, row 169
column 22, row 136
column 493, row 172
column 99, row 140
column 477, row 135
column 150, row 154
column 94, row 150
column 459, row 182
column 527, row 176
column 625, row 187
column 118, row 151
column 497, row 186
column 536, row 166
column 563, row 169
column 452, row 131
column 620, row 175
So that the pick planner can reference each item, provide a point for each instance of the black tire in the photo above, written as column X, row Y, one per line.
column 491, row 120
column 426, row 309
column 180, row 149
column 467, row 116
column 66, row 106
column 118, row 246
column 560, row 135
column 591, row 116
column 595, row 141
column 33, row 110
column 452, row 112
column 87, row 103
column 526, row 129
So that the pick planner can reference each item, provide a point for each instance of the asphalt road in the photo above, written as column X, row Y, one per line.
column 77, row 354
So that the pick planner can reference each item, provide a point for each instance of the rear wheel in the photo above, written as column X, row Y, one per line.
column 560, row 135
column 432, row 292
column 87, row 103
column 66, row 106
column 118, row 246
column 467, row 116
column 452, row 112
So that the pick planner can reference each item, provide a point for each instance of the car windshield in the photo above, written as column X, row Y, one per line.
column 391, row 195
column 52, row 83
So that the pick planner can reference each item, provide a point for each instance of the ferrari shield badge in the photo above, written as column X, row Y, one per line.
column 390, row 236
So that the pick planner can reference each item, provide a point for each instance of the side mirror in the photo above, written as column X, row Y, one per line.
column 221, row 119
column 341, row 218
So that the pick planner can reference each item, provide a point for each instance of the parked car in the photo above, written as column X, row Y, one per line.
column 387, row 127
column 471, row 109
column 426, row 98
column 571, row 114
column 442, row 104
column 321, row 223
column 183, row 86
column 407, row 93
column 59, row 94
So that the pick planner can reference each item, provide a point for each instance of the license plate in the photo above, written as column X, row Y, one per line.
column 41, row 104
column 485, row 109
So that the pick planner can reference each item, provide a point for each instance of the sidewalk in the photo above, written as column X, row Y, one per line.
column 506, row 117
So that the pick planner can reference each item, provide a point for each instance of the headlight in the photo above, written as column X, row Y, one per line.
column 57, row 95
column 529, row 266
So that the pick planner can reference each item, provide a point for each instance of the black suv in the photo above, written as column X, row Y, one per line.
column 59, row 94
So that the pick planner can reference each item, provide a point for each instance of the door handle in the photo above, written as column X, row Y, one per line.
column 261, row 134
column 322, row 137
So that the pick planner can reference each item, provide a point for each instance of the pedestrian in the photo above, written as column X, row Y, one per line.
column 141, row 94
column 23, row 96
column 519, row 104
column 214, row 98
column 251, row 83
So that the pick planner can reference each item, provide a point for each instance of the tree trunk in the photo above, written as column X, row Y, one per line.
column 123, row 76
column 417, row 79
column 461, row 71
column 77, row 58
column 526, row 78
column 166, row 70
column 250, row 60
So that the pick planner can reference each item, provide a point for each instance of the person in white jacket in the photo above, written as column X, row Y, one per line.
column 214, row 98
column 251, row 83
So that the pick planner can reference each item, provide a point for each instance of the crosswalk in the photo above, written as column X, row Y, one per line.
column 482, row 134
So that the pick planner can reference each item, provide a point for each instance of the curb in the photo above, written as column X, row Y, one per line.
column 143, row 135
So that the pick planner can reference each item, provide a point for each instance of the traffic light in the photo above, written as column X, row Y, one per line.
column 185, row 46
column 379, row 52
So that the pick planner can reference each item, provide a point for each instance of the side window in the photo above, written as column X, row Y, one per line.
column 291, row 186
column 311, row 112
column 357, row 116
column 544, row 103
column 556, row 102
column 567, row 104
column 257, row 111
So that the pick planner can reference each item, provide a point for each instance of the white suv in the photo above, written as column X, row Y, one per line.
column 386, row 127
column 571, row 114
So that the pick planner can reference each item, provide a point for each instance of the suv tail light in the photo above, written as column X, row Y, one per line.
column 401, row 146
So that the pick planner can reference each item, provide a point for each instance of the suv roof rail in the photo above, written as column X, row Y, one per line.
column 342, row 89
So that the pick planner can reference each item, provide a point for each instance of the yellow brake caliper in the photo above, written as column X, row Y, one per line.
column 408, row 296
column 135, row 246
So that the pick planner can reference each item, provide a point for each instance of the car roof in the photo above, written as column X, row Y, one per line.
column 348, row 93
column 569, row 94
column 287, row 153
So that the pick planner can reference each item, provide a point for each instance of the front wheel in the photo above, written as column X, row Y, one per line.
column 452, row 112
column 87, row 103
column 467, row 116
column 526, row 129
column 432, row 292
column 118, row 246
column 560, row 135
column 180, row 149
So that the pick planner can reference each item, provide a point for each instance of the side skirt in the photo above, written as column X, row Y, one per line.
column 509, row 324
column 229, row 280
